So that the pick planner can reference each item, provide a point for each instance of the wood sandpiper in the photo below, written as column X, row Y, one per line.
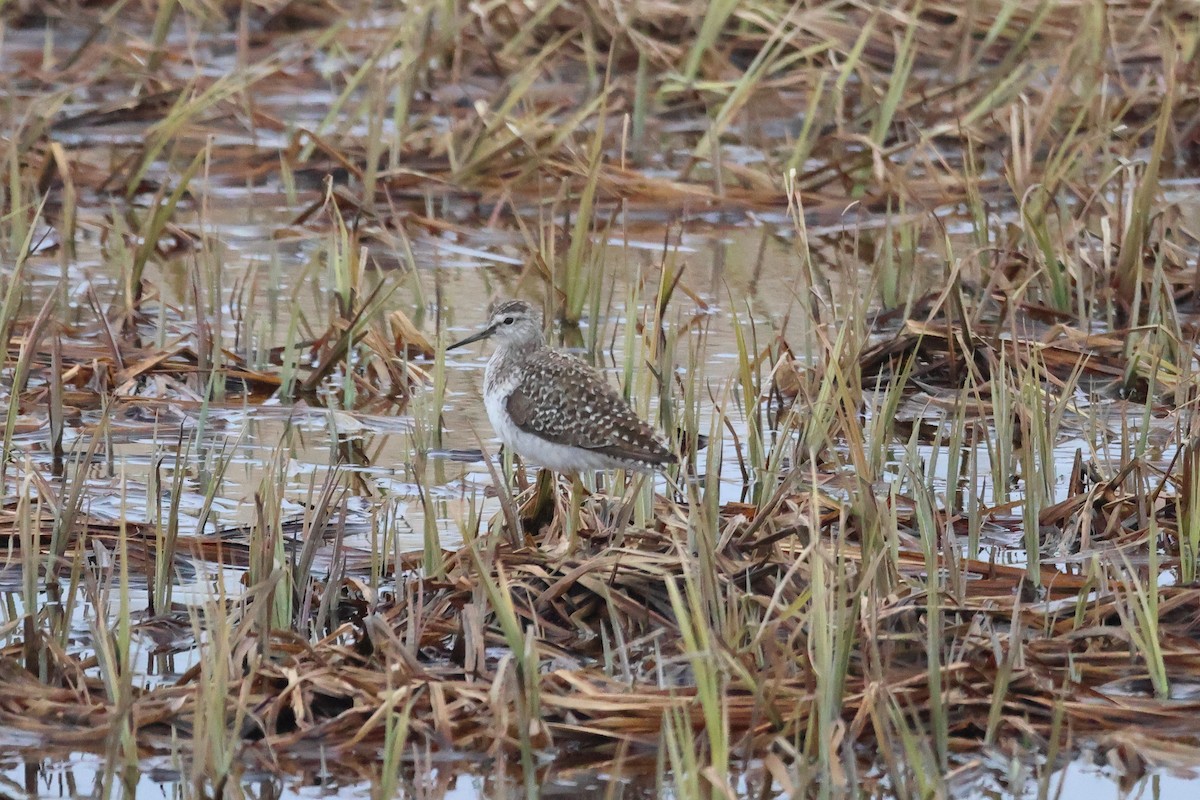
column 555, row 410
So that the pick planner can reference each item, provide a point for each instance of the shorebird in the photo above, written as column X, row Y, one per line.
column 555, row 410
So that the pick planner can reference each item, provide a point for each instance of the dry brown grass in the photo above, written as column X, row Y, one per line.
column 832, row 618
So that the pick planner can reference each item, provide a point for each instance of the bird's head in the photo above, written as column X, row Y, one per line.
column 513, row 322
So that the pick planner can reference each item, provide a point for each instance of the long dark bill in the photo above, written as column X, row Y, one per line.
column 483, row 334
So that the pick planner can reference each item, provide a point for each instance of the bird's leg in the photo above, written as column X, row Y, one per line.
column 538, row 510
column 627, row 509
column 575, row 512
column 515, row 470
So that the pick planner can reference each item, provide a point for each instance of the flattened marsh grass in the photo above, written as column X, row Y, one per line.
column 880, row 566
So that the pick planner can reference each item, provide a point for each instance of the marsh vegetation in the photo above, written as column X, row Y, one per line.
column 921, row 276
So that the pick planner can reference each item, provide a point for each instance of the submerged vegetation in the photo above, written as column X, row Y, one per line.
column 937, row 524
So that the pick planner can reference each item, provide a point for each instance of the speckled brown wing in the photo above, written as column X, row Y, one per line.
column 564, row 401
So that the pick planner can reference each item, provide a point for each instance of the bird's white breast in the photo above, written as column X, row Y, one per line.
column 496, row 389
column 556, row 457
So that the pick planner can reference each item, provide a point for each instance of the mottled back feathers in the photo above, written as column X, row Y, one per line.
column 589, row 414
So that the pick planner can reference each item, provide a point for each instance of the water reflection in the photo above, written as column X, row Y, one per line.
column 64, row 774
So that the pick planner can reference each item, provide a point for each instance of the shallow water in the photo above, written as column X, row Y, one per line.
column 84, row 774
column 739, row 267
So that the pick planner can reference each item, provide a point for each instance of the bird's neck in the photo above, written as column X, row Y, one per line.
column 508, row 358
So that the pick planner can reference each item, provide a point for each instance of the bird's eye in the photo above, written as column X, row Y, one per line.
column 509, row 320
